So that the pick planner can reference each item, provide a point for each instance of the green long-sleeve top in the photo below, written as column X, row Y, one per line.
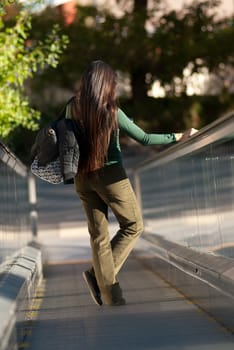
column 135, row 132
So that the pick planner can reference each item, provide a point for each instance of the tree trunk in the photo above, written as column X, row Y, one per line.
column 138, row 73
column 140, row 5
column 138, row 84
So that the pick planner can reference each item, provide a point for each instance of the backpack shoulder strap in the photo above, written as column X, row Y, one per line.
column 64, row 113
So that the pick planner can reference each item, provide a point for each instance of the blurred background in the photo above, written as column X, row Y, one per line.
column 175, row 61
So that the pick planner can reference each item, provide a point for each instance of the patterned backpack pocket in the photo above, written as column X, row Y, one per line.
column 50, row 172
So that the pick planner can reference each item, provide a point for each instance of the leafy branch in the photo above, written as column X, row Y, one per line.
column 20, row 59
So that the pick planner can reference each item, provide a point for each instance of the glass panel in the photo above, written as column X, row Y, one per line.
column 14, row 212
column 190, row 200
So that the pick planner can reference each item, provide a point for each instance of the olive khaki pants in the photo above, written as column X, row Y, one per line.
column 100, row 189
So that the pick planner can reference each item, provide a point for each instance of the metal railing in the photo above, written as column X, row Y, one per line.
column 15, row 205
column 187, row 191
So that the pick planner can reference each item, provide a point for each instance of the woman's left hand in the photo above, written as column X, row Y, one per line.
column 188, row 133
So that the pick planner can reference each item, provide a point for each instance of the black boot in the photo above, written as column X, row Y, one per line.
column 116, row 295
column 94, row 290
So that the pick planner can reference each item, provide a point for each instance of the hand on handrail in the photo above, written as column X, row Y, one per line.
column 186, row 134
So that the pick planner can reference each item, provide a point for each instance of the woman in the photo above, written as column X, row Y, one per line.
column 101, row 181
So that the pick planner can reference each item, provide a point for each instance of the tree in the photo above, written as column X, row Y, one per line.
column 176, row 40
column 21, row 58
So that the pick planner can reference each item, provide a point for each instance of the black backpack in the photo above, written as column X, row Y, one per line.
column 45, row 147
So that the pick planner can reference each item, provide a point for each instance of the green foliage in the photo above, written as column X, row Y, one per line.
column 20, row 59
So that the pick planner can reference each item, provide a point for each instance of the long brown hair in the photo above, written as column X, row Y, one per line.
column 95, row 111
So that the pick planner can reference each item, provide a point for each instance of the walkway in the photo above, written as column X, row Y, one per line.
column 63, row 315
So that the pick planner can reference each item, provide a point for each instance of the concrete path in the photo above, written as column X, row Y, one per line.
column 63, row 315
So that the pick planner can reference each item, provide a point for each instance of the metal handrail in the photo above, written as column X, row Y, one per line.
column 219, row 129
